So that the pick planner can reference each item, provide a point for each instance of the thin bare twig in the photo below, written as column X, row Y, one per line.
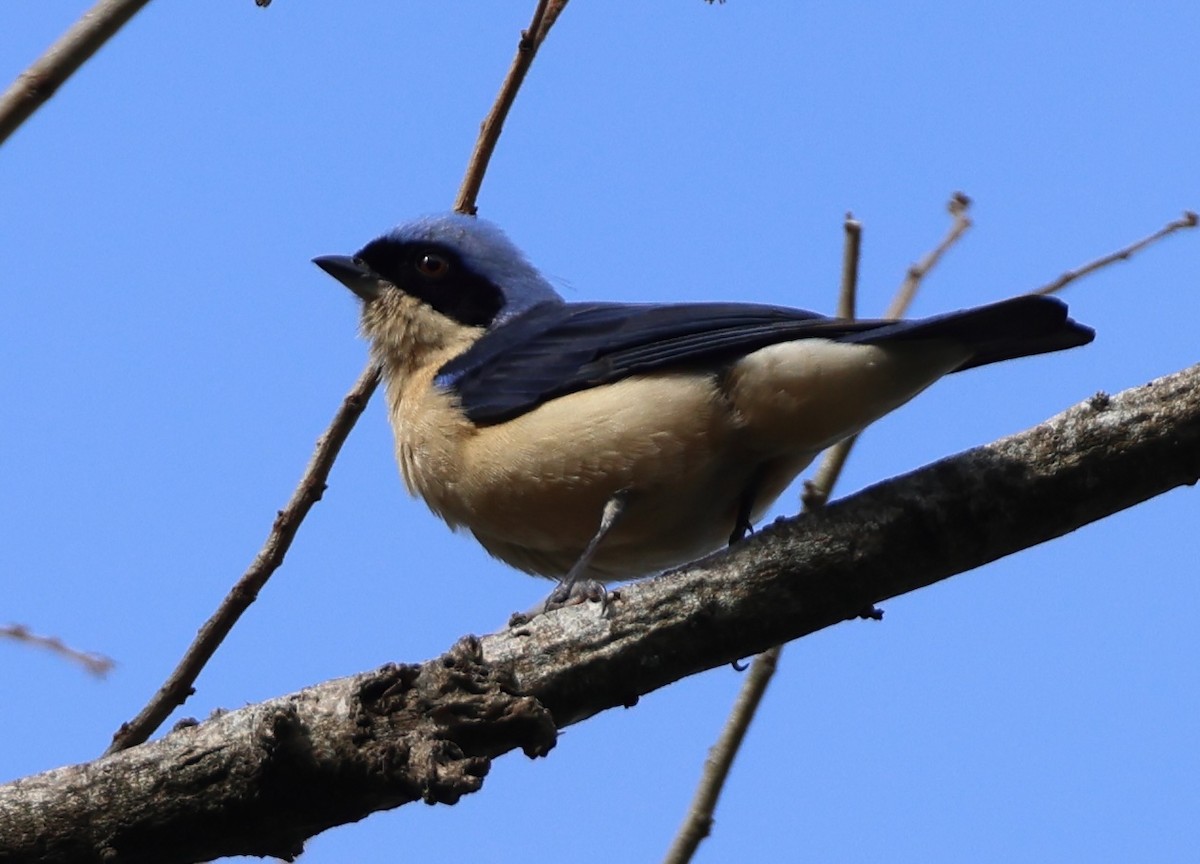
column 544, row 16
column 178, row 687
column 958, row 206
column 699, row 820
column 1187, row 220
column 96, row 664
column 816, row 493
column 817, row 490
column 851, row 251
column 39, row 82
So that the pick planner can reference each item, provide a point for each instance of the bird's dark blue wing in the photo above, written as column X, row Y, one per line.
column 557, row 349
column 560, row 348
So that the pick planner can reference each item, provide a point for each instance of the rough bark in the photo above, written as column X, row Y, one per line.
column 263, row 779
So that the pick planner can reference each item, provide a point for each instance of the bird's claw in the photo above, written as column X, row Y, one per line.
column 572, row 592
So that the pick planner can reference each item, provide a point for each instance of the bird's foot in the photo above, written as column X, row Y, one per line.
column 740, row 531
column 571, row 592
column 565, row 594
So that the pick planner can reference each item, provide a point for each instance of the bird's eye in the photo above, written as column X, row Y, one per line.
column 433, row 265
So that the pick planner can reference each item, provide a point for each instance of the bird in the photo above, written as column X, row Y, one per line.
column 602, row 441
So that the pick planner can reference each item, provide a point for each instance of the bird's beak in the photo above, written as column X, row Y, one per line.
column 350, row 273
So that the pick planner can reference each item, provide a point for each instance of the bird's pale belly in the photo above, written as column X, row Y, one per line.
column 664, row 524
column 532, row 490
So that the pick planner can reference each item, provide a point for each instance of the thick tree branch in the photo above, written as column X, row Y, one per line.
column 262, row 779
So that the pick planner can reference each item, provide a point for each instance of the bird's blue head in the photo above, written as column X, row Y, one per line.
column 462, row 267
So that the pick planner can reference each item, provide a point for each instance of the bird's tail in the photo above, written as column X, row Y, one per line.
column 1018, row 327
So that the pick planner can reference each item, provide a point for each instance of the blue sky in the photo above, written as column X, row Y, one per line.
column 170, row 355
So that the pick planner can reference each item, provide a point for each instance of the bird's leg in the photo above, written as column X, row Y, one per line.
column 573, row 588
column 745, row 506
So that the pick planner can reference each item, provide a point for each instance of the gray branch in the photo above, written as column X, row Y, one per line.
column 263, row 779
